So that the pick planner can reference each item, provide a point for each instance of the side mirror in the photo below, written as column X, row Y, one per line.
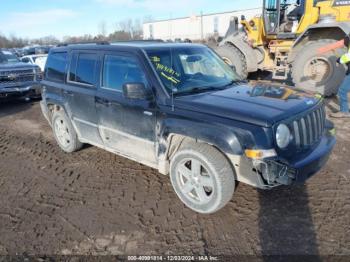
column 135, row 91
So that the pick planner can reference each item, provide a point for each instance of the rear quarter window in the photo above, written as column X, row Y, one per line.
column 56, row 67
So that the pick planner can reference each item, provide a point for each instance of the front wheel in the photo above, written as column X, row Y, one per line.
column 318, row 72
column 202, row 178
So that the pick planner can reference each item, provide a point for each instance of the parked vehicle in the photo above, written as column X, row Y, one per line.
column 181, row 109
column 42, row 49
column 17, row 51
column 29, row 50
column 284, row 41
column 39, row 60
column 18, row 79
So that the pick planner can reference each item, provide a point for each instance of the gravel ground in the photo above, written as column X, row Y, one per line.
column 94, row 202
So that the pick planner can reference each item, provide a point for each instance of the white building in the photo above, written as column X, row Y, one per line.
column 195, row 27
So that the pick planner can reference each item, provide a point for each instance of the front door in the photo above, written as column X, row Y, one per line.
column 126, row 126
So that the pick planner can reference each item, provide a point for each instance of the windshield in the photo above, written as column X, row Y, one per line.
column 191, row 69
column 8, row 57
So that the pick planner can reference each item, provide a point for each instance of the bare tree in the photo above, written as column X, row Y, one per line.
column 12, row 41
column 102, row 29
column 132, row 27
column 127, row 29
column 126, row 25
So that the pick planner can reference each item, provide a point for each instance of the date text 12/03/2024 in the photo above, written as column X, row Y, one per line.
column 173, row 258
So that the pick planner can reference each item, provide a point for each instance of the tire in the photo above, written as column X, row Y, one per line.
column 64, row 132
column 326, row 83
column 233, row 57
column 210, row 189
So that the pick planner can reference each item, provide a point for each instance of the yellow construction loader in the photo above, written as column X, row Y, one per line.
column 285, row 40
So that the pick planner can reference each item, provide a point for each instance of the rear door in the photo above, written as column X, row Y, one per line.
column 55, row 75
column 82, row 81
column 126, row 126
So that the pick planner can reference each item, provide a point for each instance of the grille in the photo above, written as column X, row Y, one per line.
column 308, row 129
column 16, row 76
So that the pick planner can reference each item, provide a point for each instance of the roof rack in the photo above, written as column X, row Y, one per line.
column 140, row 41
column 85, row 43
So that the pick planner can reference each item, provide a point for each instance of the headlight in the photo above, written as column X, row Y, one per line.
column 283, row 136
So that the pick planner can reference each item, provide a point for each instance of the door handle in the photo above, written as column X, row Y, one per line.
column 103, row 101
column 69, row 93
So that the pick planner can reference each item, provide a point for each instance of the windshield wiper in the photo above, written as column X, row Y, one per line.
column 233, row 82
column 198, row 90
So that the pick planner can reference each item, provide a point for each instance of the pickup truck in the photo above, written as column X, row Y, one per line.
column 179, row 108
column 18, row 79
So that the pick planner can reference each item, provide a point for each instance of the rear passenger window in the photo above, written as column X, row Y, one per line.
column 82, row 68
column 118, row 70
column 56, row 67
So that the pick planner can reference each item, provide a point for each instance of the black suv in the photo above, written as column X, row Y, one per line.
column 180, row 109
column 18, row 79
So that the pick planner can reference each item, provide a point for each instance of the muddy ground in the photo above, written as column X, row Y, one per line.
column 94, row 202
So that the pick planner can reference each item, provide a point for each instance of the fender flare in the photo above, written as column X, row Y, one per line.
column 343, row 26
column 343, row 30
column 248, row 52
column 219, row 136
column 56, row 100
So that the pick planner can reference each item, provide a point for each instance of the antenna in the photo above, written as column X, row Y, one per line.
column 172, row 86
column 172, row 99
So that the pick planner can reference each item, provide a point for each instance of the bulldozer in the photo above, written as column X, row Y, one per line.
column 284, row 41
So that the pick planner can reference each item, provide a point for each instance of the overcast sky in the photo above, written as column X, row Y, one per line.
column 37, row 18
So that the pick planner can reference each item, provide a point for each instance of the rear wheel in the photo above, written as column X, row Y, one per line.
column 202, row 177
column 318, row 72
column 233, row 57
column 64, row 132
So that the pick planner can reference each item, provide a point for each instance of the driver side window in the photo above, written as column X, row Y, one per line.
column 118, row 70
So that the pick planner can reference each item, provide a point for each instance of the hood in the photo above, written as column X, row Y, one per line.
column 258, row 103
column 14, row 66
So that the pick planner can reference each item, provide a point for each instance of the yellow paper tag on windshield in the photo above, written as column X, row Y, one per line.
column 155, row 59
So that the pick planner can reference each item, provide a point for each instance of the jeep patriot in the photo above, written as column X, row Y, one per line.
column 179, row 108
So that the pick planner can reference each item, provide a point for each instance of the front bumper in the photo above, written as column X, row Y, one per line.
column 301, row 167
column 312, row 163
column 30, row 90
column 269, row 173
